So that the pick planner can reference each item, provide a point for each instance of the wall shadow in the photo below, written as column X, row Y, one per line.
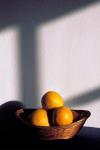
column 84, row 98
column 29, row 65
column 28, row 15
column 16, row 12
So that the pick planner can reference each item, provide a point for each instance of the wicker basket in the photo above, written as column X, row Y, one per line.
column 55, row 132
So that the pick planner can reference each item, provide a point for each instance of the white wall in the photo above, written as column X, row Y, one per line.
column 68, row 49
column 70, row 57
column 9, row 65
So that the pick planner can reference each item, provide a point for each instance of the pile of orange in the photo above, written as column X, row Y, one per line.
column 53, row 103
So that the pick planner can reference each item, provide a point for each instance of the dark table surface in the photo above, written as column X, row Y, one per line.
column 14, row 135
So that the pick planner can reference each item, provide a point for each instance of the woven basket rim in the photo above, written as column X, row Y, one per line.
column 75, row 123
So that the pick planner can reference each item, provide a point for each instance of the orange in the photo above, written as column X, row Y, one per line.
column 51, row 100
column 62, row 116
column 39, row 117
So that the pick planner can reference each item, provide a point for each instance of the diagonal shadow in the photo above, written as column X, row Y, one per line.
column 84, row 98
column 14, row 12
column 28, row 15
